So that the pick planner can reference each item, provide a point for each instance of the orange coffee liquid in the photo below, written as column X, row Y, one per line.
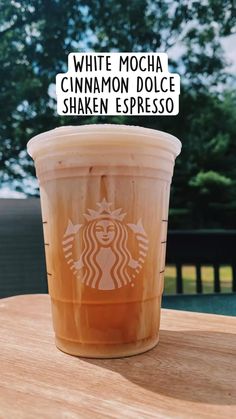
column 105, row 224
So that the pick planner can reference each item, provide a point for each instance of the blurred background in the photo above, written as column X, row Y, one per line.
column 200, row 38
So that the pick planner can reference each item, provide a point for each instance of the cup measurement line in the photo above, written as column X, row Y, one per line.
column 45, row 222
column 49, row 274
column 46, row 244
column 161, row 272
column 165, row 221
column 164, row 242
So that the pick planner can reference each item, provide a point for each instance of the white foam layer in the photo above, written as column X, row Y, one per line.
column 67, row 138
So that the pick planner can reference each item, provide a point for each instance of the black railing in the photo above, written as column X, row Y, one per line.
column 202, row 248
column 22, row 262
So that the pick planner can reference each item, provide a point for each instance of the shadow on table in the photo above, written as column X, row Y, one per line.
column 194, row 366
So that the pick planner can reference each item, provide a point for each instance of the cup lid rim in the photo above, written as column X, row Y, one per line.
column 153, row 137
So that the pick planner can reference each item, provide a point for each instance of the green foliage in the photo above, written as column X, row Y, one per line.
column 35, row 39
column 205, row 181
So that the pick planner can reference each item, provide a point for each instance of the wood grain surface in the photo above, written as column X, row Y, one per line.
column 190, row 374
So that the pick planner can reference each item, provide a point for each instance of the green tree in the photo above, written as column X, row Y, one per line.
column 35, row 39
column 206, row 172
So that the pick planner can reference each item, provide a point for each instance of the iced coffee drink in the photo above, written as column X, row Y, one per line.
column 104, row 195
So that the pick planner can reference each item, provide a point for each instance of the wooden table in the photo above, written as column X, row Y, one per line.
column 190, row 374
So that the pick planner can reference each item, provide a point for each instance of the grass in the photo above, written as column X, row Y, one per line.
column 189, row 279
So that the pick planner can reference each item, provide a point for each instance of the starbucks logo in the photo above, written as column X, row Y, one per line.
column 105, row 262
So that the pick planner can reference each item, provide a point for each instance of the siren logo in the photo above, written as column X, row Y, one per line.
column 105, row 262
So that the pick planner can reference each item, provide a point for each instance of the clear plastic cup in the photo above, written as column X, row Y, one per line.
column 104, row 195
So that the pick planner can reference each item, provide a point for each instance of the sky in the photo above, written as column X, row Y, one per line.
column 229, row 45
